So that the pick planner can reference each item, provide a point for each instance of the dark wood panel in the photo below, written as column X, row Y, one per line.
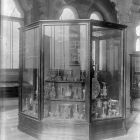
column 107, row 129
column 98, row 130
column 51, row 129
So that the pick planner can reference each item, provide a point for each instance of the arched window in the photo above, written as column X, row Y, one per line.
column 138, row 38
column 9, row 8
column 68, row 13
column 96, row 16
column 11, row 21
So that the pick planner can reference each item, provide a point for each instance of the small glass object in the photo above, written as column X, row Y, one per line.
column 57, row 112
column 76, row 93
column 26, row 104
column 53, row 74
column 95, row 88
column 66, row 113
column 83, row 112
column 84, row 93
column 52, row 92
column 99, row 103
column 62, row 92
column 103, row 114
column 46, row 90
column 68, row 92
column 65, row 76
column 105, row 104
column 139, row 84
column 48, row 77
column 35, row 110
column 46, row 110
column 104, row 90
column 109, row 112
column 82, row 75
column 70, row 75
column 79, row 93
column 76, row 112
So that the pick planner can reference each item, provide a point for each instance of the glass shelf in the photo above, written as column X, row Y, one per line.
column 107, row 118
column 64, row 100
column 54, row 81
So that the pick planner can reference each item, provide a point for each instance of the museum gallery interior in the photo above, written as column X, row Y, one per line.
column 70, row 70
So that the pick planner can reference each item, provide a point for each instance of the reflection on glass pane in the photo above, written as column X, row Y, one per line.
column 65, row 70
column 106, row 82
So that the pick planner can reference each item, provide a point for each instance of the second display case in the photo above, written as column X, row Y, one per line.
column 72, row 79
column 134, row 78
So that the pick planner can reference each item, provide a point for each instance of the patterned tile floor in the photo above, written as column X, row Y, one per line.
column 9, row 122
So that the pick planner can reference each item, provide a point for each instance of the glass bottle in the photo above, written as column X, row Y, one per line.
column 68, row 92
column 82, row 75
column 95, row 85
column 103, row 113
column 52, row 92
column 76, row 112
column 104, row 90
column 57, row 112
column 139, row 84
column 99, row 103
column 83, row 112
column 84, row 93
column 26, row 104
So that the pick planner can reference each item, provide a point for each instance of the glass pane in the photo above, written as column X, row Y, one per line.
column 135, row 73
column 107, row 81
column 10, row 44
column 30, row 73
column 65, row 71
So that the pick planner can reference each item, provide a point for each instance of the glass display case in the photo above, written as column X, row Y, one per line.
column 72, row 79
column 134, row 78
column 30, row 73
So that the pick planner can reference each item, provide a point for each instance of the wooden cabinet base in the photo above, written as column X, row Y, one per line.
column 107, row 129
column 53, row 131
column 69, row 131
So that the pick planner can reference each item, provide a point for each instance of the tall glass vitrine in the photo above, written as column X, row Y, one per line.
column 72, row 79
column 134, row 78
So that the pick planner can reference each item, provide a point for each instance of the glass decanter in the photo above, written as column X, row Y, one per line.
column 53, row 92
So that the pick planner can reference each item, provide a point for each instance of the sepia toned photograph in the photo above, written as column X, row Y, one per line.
column 70, row 70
